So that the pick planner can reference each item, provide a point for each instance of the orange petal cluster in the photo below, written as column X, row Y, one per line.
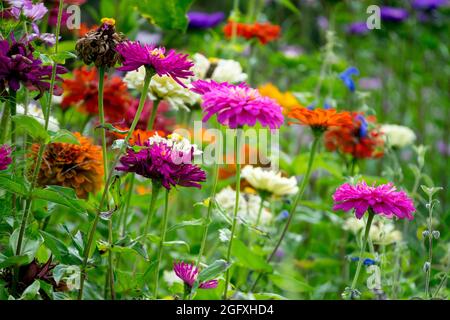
column 69, row 165
column 284, row 99
column 320, row 119
column 264, row 32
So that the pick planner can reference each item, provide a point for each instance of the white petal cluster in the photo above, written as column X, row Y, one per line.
column 381, row 233
column 35, row 111
column 269, row 181
column 225, row 70
column 176, row 142
column 163, row 88
column 397, row 136
column 249, row 205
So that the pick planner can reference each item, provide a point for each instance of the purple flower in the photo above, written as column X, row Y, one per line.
column 17, row 65
column 370, row 83
column 53, row 17
column 46, row 38
column 383, row 200
column 171, row 63
column 204, row 20
column 237, row 105
column 346, row 77
column 429, row 5
column 322, row 23
column 161, row 163
column 393, row 14
column 5, row 157
column 357, row 28
column 188, row 273
column 32, row 11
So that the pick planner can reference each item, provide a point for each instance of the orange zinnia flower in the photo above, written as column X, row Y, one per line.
column 264, row 32
column 82, row 92
column 320, row 119
column 357, row 140
column 69, row 165
column 284, row 99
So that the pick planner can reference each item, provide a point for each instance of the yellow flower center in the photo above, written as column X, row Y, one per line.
column 157, row 52
column 108, row 21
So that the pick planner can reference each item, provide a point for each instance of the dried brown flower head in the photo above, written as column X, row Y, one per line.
column 99, row 46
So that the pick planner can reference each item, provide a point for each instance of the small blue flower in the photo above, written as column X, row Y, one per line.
column 283, row 215
column 346, row 77
column 312, row 106
column 369, row 262
column 364, row 126
column 327, row 105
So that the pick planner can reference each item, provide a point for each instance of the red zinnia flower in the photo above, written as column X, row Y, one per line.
column 264, row 32
column 82, row 92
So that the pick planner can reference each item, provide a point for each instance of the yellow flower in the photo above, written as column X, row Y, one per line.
column 284, row 99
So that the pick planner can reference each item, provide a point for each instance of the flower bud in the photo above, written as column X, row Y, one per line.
column 426, row 266
column 425, row 234
column 436, row 234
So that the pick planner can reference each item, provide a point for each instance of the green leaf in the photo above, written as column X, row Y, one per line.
column 167, row 14
column 14, row 261
column 289, row 5
column 64, row 196
column 196, row 222
column 177, row 243
column 110, row 127
column 30, row 243
column 6, row 183
column 114, row 190
column 59, row 249
column 32, row 291
column 32, row 127
column 247, row 258
column 62, row 56
column 64, row 136
column 213, row 270
column 289, row 284
column 45, row 58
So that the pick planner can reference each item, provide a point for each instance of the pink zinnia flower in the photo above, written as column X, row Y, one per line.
column 171, row 63
column 188, row 273
column 5, row 157
column 237, row 105
column 383, row 200
column 163, row 164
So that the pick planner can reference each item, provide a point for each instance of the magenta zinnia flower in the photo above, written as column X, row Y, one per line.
column 5, row 157
column 171, row 63
column 188, row 273
column 237, row 105
column 163, row 164
column 383, row 200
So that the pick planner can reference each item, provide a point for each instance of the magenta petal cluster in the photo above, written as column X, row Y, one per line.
column 5, row 157
column 188, row 273
column 164, row 165
column 383, row 200
column 237, row 105
column 170, row 63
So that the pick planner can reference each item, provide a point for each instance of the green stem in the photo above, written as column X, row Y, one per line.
column 137, row 116
column 236, row 207
column 161, row 242
column 297, row 199
column 123, row 217
column 4, row 123
column 156, row 188
column 363, row 249
column 261, row 206
column 151, row 122
column 430, row 248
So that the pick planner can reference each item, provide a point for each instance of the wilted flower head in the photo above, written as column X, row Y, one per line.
column 18, row 65
column 204, row 20
column 136, row 55
column 269, row 181
column 82, row 92
column 237, row 105
column 166, row 161
column 219, row 70
column 397, row 136
column 5, row 156
column 189, row 273
column 319, row 119
column 383, row 200
column 99, row 46
column 77, row 166
column 264, row 32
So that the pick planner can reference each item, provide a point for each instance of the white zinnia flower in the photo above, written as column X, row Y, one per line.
column 222, row 70
column 249, row 205
column 270, row 181
column 163, row 88
column 380, row 232
column 397, row 136
column 35, row 111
